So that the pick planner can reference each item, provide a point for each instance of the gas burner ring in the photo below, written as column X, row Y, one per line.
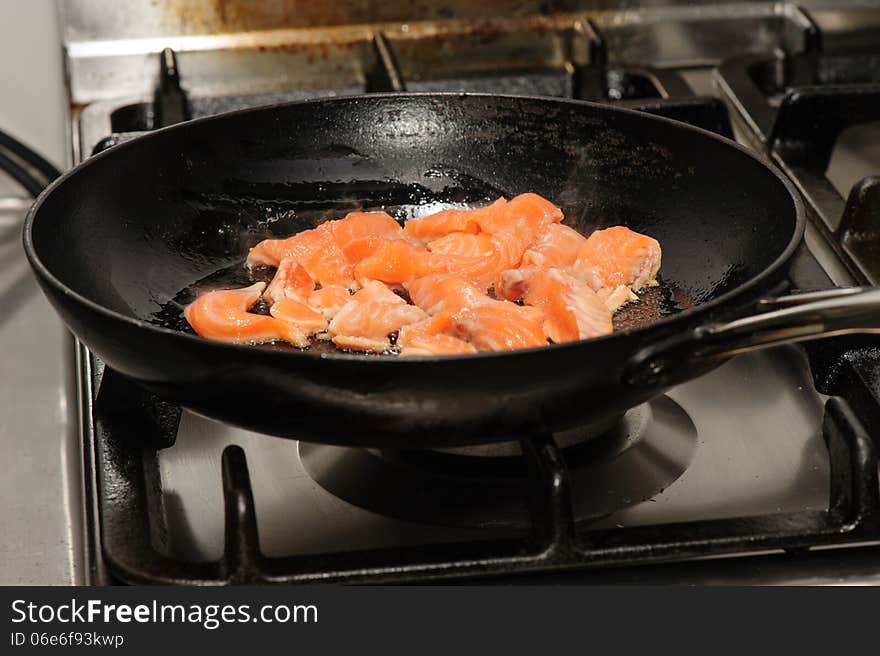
column 485, row 487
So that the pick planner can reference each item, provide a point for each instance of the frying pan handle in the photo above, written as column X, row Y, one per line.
column 788, row 319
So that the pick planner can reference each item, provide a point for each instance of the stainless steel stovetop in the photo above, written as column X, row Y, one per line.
column 758, row 452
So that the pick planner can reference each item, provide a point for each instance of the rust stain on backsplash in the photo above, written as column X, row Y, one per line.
column 350, row 35
column 425, row 49
column 287, row 24
column 225, row 16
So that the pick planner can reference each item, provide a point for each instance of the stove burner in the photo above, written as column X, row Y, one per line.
column 638, row 457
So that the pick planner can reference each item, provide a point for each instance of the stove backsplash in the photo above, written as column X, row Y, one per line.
column 234, row 46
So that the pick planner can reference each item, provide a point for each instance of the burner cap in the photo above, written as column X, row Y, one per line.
column 642, row 454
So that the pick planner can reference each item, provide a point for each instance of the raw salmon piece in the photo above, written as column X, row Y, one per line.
column 315, row 250
column 290, row 281
column 558, row 246
column 360, row 249
column 397, row 261
column 572, row 310
column 441, row 323
column 329, row 300
column 432, row 336
column 373, row 290
column 509, row 244
column 297, row 321
column 512, row 284
column 358, row 225
column 535, row 211
column 329, row 266
column 618, row 256
column 445, row 293
column 434, row 226
column 436, row 345
column 463, row 244
column 499, row 326
column 366, row 326
column 484, row 322
column 223, row 315
column 270, row 252
column 616, row 297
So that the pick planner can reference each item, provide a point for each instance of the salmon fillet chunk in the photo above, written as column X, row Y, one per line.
column 223, row 315
column 314, row 250
column 484, row 322
column 329, row 300
column 434, row 226
column 572, row 310
column 618, row 256
column 297, row 321
column 291, row 281
column 368, row 326
column 558, row 246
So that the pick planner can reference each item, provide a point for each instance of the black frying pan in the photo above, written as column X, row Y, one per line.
column 122, row 241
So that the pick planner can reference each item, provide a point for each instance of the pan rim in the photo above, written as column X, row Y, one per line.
column 683, row 317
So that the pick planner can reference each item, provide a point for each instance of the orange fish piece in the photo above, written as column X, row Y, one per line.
column 366, row 326
column 572, row 310
column 509, row 244
column 223, row 315
column 463, row 244
column 434, row 226
column 432, row 337
column 512, row 284
column 396, row 261
column 438, row 324
column 557, row 246
column 359, row 225
column 445, row 293
column 360, row 249
column 530, row 208
column 616, row 297
column 618, row 256
column 374, row 290
column 500, row 326
column 270, row 252
column 329, row 300
column 484, row 322
column 315, row 250
column 291, row 281
column 297, row 321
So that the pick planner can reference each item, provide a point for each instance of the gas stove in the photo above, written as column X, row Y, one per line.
column 763, row 471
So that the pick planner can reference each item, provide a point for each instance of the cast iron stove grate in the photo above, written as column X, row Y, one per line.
column 794, row 108
column 587, row 76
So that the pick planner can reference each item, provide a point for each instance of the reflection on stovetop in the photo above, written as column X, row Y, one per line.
column 759, row 451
